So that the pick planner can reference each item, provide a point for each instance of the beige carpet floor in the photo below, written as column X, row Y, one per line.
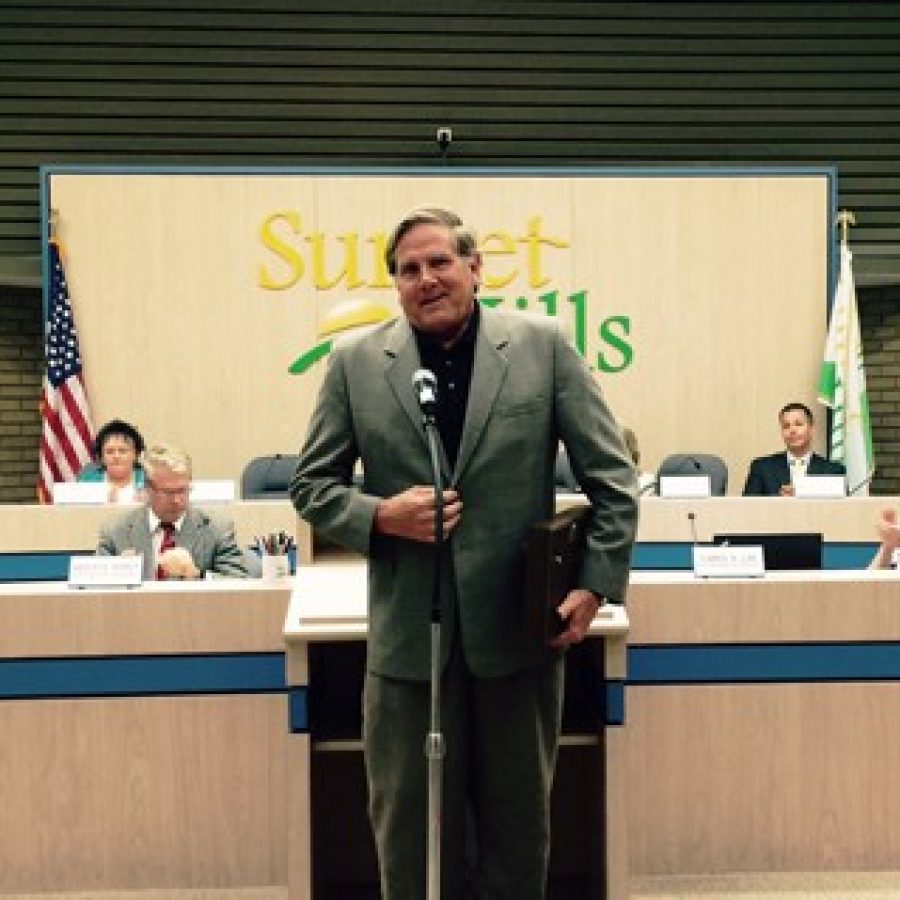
column 260, row 893
column 750, row 886
column 765, row 886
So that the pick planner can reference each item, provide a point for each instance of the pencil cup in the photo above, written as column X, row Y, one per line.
column 275, row 567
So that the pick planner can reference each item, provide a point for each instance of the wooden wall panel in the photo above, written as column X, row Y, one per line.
column 143, row 793
column 146, row 82
column 710, row 273
column 205, row 82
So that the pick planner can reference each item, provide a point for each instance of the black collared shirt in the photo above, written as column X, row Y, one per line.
column 453, row 369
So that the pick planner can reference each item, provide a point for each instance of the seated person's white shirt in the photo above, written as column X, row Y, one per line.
column 157, row 532
column 123, row 494
column 798, row 465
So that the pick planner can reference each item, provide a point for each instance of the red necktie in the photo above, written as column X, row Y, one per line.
column 168, row 542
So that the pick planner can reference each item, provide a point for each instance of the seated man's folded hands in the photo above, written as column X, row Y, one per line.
column 177, row 562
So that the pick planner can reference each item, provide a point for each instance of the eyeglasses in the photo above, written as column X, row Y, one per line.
column 170, row 492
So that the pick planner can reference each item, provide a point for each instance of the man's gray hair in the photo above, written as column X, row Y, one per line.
column 166, row 456
column 464, row 237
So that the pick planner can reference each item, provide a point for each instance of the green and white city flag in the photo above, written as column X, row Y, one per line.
column 842, row 386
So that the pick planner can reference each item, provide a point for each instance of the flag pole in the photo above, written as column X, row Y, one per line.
column 842, row 380
column 845, row 219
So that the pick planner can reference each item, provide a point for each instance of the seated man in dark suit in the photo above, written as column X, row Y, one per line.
column 176, row 539
column 773, row 476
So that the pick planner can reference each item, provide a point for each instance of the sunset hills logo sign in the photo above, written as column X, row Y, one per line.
column 345, row 317
column 509, row 258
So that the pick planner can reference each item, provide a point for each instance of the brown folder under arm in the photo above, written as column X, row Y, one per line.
column 553, row 554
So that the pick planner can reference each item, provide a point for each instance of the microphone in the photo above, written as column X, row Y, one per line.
column 425, row 385
column 692, row 518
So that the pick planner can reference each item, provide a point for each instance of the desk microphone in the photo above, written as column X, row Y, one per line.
column 692, row 518
column 425, row 386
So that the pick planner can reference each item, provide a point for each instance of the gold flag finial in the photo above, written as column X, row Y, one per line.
column 845, row 219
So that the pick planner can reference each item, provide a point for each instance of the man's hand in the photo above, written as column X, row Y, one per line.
column 177, row 562
column 577, row 611
column 786, row 490
column 888, row 530
column 410, row 514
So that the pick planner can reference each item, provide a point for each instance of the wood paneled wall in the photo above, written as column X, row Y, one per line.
column 138, row 82
column 538, row 83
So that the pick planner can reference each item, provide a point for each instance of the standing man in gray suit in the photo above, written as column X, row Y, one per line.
column 175, row 539
column 510, row 388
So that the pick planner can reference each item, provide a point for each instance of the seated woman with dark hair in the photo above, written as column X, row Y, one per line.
column 116, row 451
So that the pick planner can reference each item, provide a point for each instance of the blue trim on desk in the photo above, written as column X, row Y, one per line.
column 846, row 555
column 250, row 673
column 615, row 703
column 141, row 676
column 298, row 710
column 656, row 556
column 650, row 665
column 668, row 556
column 661, row 556
column 37, row 566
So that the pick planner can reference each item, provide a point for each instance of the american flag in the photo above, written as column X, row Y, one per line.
column 66, row 430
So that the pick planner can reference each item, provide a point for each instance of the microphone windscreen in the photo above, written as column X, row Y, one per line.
column 425, row 385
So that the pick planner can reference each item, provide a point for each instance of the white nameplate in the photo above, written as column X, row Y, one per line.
column 212, row 491
column 723, row 561
column 105, row 571
column 688, row 486
column 820, row 487
column 94, row 493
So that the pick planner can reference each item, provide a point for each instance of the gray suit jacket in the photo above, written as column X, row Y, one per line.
column 529, row 389
column 211, row 543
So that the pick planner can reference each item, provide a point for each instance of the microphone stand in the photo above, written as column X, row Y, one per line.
column 434, row 740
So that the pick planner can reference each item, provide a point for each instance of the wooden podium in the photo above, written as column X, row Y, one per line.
column 331, row 852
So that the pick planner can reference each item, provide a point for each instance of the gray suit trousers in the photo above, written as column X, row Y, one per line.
column 501, row 736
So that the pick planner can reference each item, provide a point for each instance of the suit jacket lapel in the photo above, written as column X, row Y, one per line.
column 488, row 374
column 189, row 536
column 141, row 541
column 784, row 469
column 402, row 362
